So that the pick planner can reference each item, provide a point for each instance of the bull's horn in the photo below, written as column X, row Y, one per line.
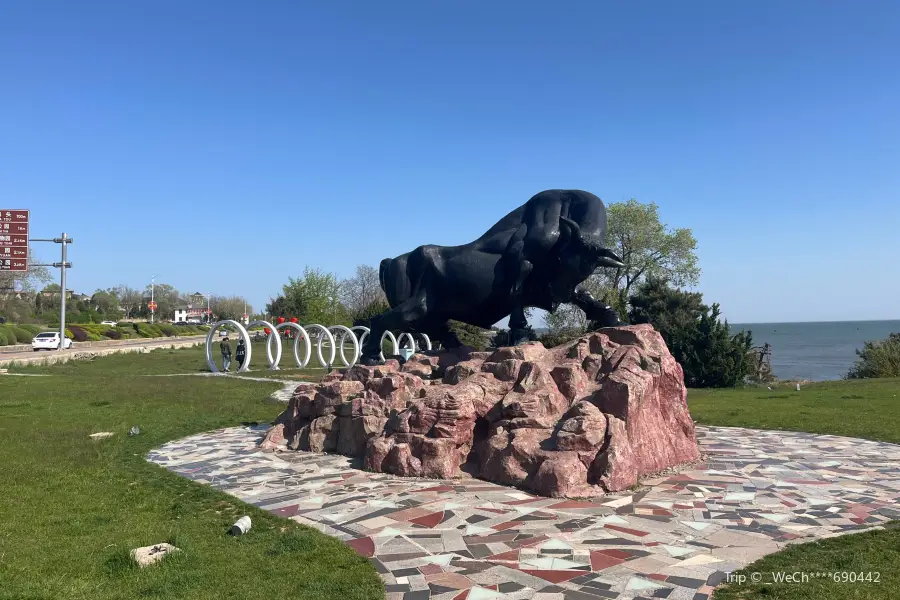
column 576, row 228
column 608, row 258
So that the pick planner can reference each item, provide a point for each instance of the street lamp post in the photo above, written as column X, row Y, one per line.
column 152, row 308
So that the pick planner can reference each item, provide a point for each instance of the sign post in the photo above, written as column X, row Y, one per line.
column 14, row 240
column 152, row 306
column 62, row 265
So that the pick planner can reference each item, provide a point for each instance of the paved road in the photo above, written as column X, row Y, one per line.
column 76, row 348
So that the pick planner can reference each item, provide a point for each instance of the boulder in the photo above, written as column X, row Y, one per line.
column 579, row 420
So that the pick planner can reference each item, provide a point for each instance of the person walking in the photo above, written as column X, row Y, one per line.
column 226, row 354
column 240, row 353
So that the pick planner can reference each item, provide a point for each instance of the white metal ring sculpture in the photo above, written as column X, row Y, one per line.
column 209, row 344
column 273, row 361
column 345, row 333
column 324, row 334
column 302, row 335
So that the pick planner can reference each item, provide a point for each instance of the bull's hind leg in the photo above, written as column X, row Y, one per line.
column 446, row 336
column 404, row 317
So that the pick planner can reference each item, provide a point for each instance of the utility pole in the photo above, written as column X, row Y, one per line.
column 64, row 240
column 152, row 304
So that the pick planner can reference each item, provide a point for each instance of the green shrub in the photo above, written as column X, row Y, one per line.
column 23, row 335
column 78, row 333
column 3, row 340
column 877, row 359
column 709, row 354
column 113, row 334
column 32, row 329
column 147, row 330
column 125, row 325
column 169, row 330
column 556, row 338
column 10, row 335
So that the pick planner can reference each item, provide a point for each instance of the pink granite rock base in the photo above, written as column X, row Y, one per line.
column 579, row 420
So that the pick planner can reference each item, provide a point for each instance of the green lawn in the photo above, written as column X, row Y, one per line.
column 865, row 408
column 859, row 408
column 72, row 508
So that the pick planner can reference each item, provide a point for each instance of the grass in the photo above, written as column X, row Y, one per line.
column 868, row 408
column 872, row 557
column 72, row 508
column 865, row 408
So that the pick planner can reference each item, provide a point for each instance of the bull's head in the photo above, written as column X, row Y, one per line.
column 588, row 246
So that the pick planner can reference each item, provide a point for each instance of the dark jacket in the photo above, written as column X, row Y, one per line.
column 241, row 352
column 226, row 348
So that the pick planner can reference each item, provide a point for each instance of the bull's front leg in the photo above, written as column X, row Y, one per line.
column 594, row 309
column 517, row 321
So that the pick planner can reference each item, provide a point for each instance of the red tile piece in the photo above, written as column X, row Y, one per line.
column 507, row 525
column 430, row 569
column 364, row 546
column 462, row 595
column 429, row 521
column 553, row 576
column 657, row 576
column 626, row 530
column 621, row 554
column 600, row 561
column 511, row 555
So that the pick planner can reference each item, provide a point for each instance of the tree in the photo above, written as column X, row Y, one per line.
column 363, row 317
column 166, row 297
column 129, row 299
column 362, row 291
column 673, row 313
column 471, row 335
column 230, row 307
column 648, row 248
column 284, row 307
column 29, row 281
column 105, row 302
column 877, row 359
column 319, row 293
column 709, row 354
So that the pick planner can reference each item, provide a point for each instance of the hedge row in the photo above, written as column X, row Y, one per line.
column 23, row 334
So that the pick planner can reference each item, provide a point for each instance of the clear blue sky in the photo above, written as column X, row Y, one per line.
column 159, row 133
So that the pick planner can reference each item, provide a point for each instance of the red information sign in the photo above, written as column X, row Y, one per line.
column 151, row 305
column 13, row 240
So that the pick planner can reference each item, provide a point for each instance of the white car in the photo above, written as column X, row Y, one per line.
column 110, row 323
column 48, row 340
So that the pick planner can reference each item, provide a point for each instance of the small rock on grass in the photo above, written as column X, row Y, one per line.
column 152, row 554
column 101, row 435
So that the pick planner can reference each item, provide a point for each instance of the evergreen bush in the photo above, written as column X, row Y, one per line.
column 709, row 354
column 877, row 359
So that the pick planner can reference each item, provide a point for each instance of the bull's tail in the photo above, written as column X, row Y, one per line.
column 385, row 279
column 394, row 280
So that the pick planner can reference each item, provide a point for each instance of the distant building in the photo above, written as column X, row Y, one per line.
column 190, row 313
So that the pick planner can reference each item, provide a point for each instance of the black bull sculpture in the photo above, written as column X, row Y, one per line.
column 535, row 256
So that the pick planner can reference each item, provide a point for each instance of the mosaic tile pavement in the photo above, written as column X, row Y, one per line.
column 676, row 537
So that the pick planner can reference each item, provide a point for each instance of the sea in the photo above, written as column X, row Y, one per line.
column 816, row 351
